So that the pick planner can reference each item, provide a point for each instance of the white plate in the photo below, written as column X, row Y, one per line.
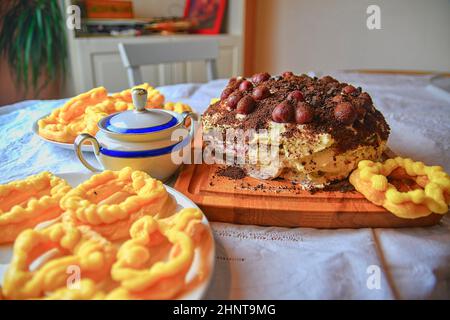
column 70, row 146
column 75, row 178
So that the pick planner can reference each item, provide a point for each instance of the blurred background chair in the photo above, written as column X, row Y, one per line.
column 135, row 55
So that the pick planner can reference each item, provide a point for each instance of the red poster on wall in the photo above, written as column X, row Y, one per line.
column 206, row 15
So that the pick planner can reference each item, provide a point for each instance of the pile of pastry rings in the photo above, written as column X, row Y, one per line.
column 81, row 113
column 114, row 236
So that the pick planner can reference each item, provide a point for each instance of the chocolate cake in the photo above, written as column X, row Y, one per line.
column 321, row 128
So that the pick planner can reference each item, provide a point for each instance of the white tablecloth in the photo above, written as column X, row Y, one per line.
column 278, row 263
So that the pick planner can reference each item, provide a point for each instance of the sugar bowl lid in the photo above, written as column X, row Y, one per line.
column 140, row 120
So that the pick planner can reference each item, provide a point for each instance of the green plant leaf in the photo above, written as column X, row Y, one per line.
column 28, row 41
column 33, row 40
column 20, row 43
column 50, row 52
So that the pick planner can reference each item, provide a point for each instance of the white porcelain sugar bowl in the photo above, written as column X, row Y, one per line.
column 143, row 139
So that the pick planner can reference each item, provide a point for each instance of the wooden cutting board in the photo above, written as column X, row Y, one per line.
column 279, row 203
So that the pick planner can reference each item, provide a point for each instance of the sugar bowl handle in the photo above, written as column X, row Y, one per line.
column 190, row 115
column 79, row 142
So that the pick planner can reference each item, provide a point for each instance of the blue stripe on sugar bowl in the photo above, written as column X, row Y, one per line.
column 110, row 127
column 145, row 153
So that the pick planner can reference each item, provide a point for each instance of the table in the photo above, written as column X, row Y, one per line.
column 278, row 263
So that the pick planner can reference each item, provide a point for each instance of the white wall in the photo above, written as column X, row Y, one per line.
column 326, row 35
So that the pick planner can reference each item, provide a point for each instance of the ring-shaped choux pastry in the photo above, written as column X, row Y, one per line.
column 432, row 192
column 109, row 202
column 28, row 202
column 153, row 264
column 76, row 247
